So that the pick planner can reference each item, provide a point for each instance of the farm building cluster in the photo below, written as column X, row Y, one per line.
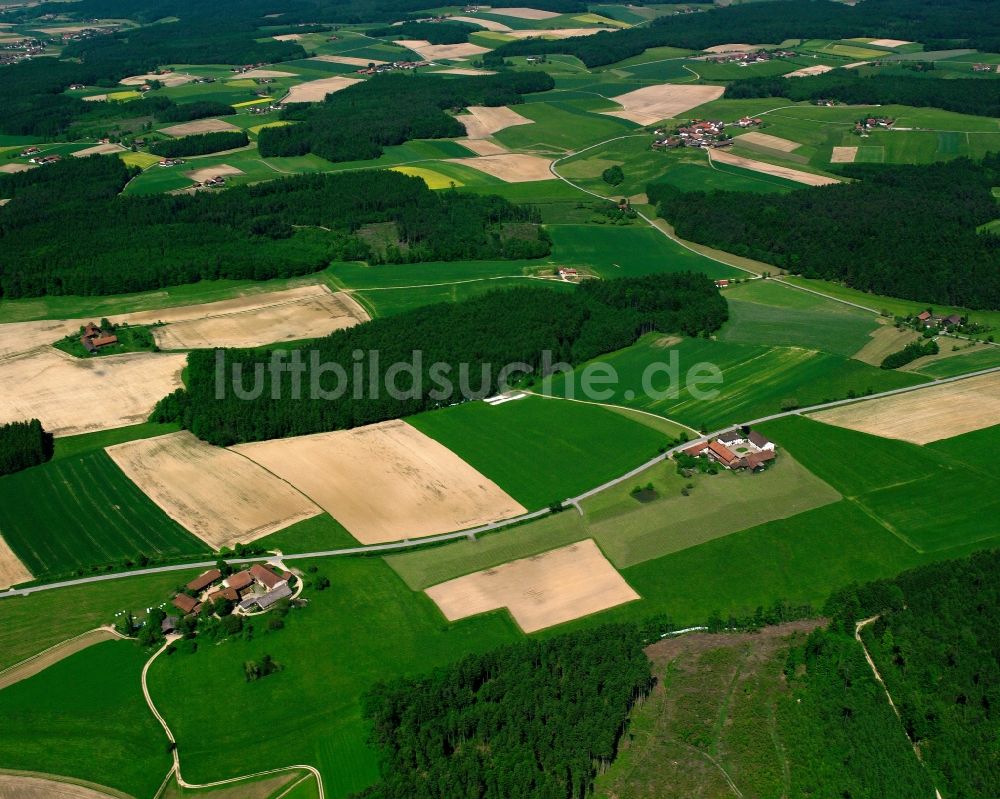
column 379, row 69
column 252, row 590
column 746, row 58
column 93, row 338
column 929, row 319
column 700, row 133
column 736, row 449
column 20, row 50
column 864, row 126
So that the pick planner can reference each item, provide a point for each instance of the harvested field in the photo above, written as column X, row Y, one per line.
column 288, row 37
column 95, row 98
column 766, row 140
column 482, row 122
column 307, row 312
column 523, row 13
column 349, row 60
column 652, row 103
column 926, row 415
column 70, row 395
column 198, row 126
column 315, row 91
column 41, row 661
column 19, row 337
column 385, row 482
column 512, row 167
column 884, row 341
column 15, row 786
column 11, row 168
column 483, row 146
column 460, row 71
column 214, row 493
column 99, row 149
column 434, row 52
column 433, row 179
column 786, row 172
column 556, row 33
column 489, row 24
column 169, row 80
column 843, row 155
column 805, row 72
column 728, row 48
column 541, row 591
column 12, row 571
column 208, row 172
column 266, row 73
column 889, row 42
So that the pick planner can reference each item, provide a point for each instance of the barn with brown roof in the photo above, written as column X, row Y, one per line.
column 239, row 580
column 266, row 577
column 204, row 580
column 185, row 603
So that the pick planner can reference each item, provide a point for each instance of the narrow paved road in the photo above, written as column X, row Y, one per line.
column 497, row 525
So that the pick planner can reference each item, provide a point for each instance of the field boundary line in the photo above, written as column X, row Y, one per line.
column 41, row 775
column 612, row 405
column 176, row 769
column 29, row 660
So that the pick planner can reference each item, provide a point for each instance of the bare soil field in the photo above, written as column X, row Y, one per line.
column 19, row 337
column 385, row 482
column 482, row 122
column 349, row 60
column 310, row 312
column 483, row 146
column 169, row 80
column 99, row 149
column 315, row 91
column 786, row 172
column 889, row 42
column 219, row 170
column 266, row 788
column 771, row 142
column 460, row 71
column 489, row 24
column 266, row 73
column 843, row 155
column 16, row 786
column 541, row 591
column 512, row 167
column 729, row 48
column 71, row 395
column 434, row 52
column 216, row 494
column 805, row 72
column 12, row 571
column 556, row 33
column 11, row 168
column 926, row 415
column 885, row 341
column 523, row 13
column 652, row 103
column 198, row 126
column 288, row 37
column 41, row 661
column 95, row 98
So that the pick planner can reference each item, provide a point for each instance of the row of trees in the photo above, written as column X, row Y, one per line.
column 429, row 357
column 910, row 353
column 67, row 230
column 981, row 98
column 201, row 144
column 905, row 231
column 534, row 719
column 959, row 23
column 358, row 122
column 23, row 444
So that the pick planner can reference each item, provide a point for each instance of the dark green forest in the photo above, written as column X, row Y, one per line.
column 910, row 353
column 433, row 32
column 964, row 96
column 185, row 112
column 93, row 241
column 959, row 23
column 457, row 351
column 905, row 231
column 200, row 144
column 23, row 444
column 533, row 720
column 937, row 645
column 357, row 123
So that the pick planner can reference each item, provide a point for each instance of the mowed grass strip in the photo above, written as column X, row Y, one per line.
column 542, row 450
column 58, row 712
column 82, row 511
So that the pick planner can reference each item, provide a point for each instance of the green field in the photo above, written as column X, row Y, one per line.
column 762, row 312
column 975, row 449
column 58, row 713
column 756, row 380
column 981, row 357
column 541, row 450
column 559, row 125
column 81, row 512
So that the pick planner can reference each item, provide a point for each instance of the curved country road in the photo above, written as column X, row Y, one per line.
column 471, row 533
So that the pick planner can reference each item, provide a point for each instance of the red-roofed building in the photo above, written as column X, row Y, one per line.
column 224, row 593
column 185, row 604
column 204, row 580
column 240, row 580
column 723, row 454
column 266, row 577
column 697, row 449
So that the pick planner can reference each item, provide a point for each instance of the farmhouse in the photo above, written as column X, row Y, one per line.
column 204, row 580
column 720, row 453
column 186, row 604
column 257, row 586
column 739, row 448
column 94, row 338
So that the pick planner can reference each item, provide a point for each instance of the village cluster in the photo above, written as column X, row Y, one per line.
column 701, row 133
column 745, row 59
column 379, row 69
column 252, row 590
column 736, row 449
